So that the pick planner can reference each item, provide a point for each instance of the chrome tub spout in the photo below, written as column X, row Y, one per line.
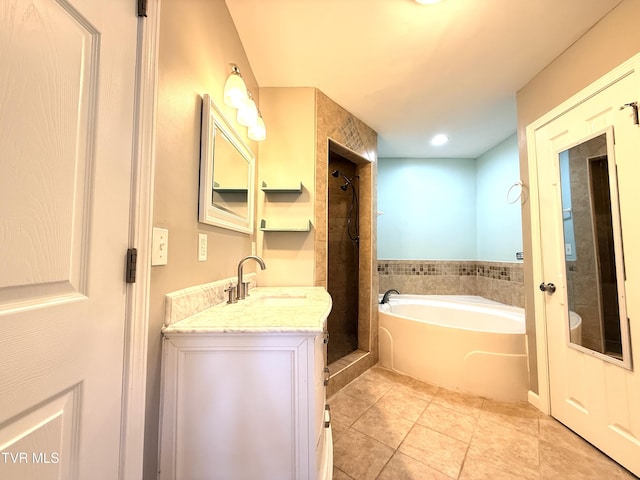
column 385, row 297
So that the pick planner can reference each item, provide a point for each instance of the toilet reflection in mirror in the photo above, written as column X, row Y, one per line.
column 593, row 250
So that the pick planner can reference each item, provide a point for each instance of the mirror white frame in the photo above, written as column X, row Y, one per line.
column 214, row 121
column 615, row 227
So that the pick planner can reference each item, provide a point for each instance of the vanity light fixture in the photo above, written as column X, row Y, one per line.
column 248, row 112
column 237, row 96
column 427, row 2
column 258, row 132
column 439, row 139
column 235, row 90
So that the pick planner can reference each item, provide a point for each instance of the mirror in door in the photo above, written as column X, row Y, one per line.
column 597, row 320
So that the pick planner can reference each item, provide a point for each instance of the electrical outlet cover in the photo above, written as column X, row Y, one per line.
column 202, row 247
column 568, row 249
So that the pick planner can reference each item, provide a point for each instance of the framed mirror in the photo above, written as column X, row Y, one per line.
column 227, row 173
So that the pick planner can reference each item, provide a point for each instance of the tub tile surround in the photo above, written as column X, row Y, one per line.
column 389, row 426
column 499, row 281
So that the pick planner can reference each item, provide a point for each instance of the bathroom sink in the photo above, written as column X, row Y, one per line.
column 282, row 300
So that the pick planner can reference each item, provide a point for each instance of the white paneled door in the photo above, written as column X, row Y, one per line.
column 67, row 79
column 588, row 163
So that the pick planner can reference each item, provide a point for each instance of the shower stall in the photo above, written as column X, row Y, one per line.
column 343, row 256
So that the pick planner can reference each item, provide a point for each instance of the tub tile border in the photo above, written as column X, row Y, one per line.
column 511, row 272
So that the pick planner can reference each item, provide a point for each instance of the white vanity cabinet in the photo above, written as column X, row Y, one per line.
column 244, row 406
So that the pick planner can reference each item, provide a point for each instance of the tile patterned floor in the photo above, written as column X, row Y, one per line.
column 390, row 427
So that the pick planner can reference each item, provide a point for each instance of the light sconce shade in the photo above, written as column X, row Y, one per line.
column 248, row 112
column 237, row 96
column 235, row 90
column 258, row 132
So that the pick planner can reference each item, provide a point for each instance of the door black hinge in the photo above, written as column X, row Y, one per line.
column 132, row 258
column 142, row 8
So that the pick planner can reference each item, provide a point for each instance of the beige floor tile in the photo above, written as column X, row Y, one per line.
column 508, row 441
column 403, row 403
column 627, row 475
column 461, row 402
column 500, row 462
column 402, row 467
column 450, row 422
column 360, row 456
column 434, row 449
column 340, row 475
column 552, row 432
column 479, row 469
column 367, row 390
column 555, row 433
column 417, row 389
column 380, row 374
column 504, row 449
column 383, row 426
column 526, row 425
column 522, row 409
column 557, row 462
column 519, row 416
column 346, row 409
column 337, row 429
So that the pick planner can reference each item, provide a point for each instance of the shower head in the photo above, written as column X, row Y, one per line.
column 352, row 219
column 338, row 173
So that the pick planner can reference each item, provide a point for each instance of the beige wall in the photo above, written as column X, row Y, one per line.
column 197, row 42
column 287, row 157
column 609, row 43
column 300, row 123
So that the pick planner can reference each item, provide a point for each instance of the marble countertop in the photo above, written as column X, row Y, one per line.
column 266, row 309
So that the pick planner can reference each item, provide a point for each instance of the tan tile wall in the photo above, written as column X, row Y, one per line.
column 499, row 281
column 336, row 124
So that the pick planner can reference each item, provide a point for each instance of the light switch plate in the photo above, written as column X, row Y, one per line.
column 159, row 246
column 202, row 247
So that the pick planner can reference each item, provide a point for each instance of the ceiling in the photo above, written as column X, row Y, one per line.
column 410, row 71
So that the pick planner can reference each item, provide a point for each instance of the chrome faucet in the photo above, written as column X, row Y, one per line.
column 242, row 287
column 385, row 297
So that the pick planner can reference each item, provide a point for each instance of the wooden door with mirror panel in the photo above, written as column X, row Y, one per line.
column 586, row 159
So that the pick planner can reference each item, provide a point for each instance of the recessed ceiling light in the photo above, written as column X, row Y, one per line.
column 439, row 139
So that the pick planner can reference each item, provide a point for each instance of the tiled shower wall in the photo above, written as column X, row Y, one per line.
column 499, row 281
column 336, row 124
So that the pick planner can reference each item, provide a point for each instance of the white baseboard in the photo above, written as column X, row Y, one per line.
column 534, row 399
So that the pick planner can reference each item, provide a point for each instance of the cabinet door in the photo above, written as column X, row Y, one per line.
column 234, row 408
